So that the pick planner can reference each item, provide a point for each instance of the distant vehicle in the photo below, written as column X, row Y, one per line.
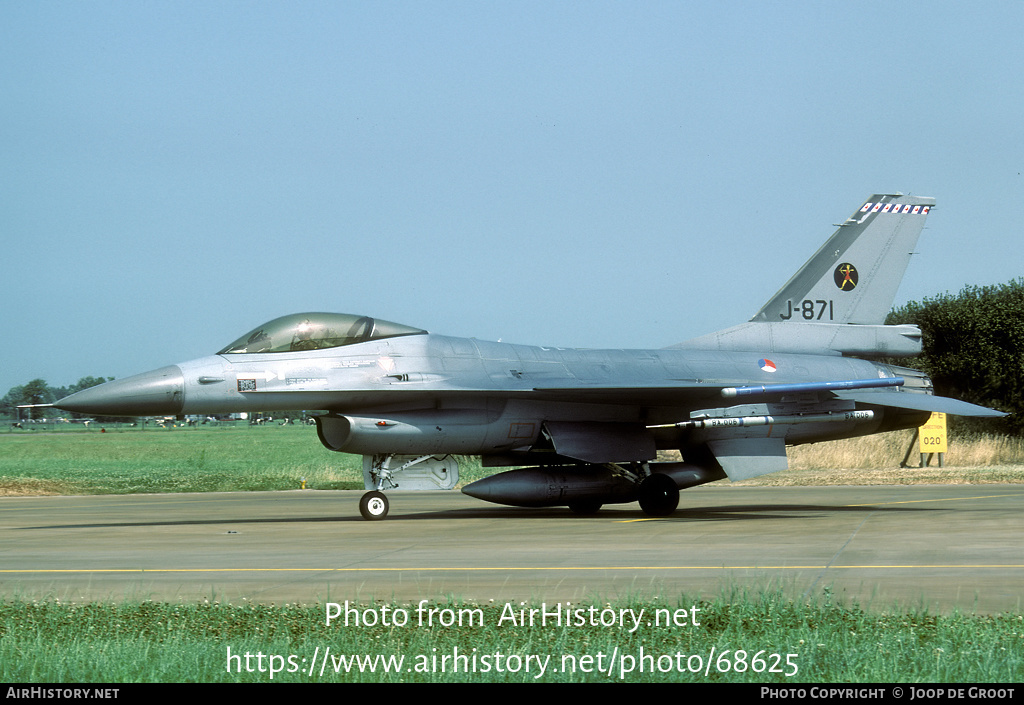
column 587, row 423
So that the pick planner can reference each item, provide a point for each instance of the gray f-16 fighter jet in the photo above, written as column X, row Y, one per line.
column 583, row 427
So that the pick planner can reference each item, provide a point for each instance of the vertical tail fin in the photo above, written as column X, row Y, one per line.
column 853, row 278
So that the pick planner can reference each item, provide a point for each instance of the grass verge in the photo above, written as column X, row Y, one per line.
column 172, row 460
column 734, row 638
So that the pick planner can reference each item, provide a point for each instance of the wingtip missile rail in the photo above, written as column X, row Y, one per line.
column 803, row 387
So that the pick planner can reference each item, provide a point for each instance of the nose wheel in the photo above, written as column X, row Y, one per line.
column 373, row 506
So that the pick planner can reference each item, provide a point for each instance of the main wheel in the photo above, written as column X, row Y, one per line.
column 659, row 495
column 373, row 506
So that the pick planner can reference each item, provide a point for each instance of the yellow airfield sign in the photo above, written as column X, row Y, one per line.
column 933, row 434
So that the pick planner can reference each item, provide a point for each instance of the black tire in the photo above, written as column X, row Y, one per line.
column 373, row 506
column 659, row 495
column 585, row 508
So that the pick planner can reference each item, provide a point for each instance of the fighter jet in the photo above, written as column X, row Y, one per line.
column 583, row 427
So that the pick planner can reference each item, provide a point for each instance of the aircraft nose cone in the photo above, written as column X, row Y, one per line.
column 160, row 392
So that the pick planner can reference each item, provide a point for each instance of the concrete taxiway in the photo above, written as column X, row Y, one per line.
column 934, row 547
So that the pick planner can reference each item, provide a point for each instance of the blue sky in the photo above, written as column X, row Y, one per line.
column 592, row 174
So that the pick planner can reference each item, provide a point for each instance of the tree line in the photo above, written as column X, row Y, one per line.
column 973, row 349
column 39, row 392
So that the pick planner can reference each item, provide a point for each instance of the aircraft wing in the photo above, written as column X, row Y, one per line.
column 864, row 391
column 673, row 393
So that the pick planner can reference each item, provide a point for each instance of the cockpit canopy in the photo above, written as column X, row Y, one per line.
column 315, row 331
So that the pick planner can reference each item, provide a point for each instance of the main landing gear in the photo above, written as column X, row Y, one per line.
column 658, row 495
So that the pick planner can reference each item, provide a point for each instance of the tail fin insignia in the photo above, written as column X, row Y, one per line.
column 853, row 278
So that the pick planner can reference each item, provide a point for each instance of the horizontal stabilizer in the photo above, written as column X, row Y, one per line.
column 920, row 402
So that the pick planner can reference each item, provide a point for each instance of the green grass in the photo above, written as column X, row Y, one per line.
column 124, row 461
column 173, row 460
column 157, row 642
